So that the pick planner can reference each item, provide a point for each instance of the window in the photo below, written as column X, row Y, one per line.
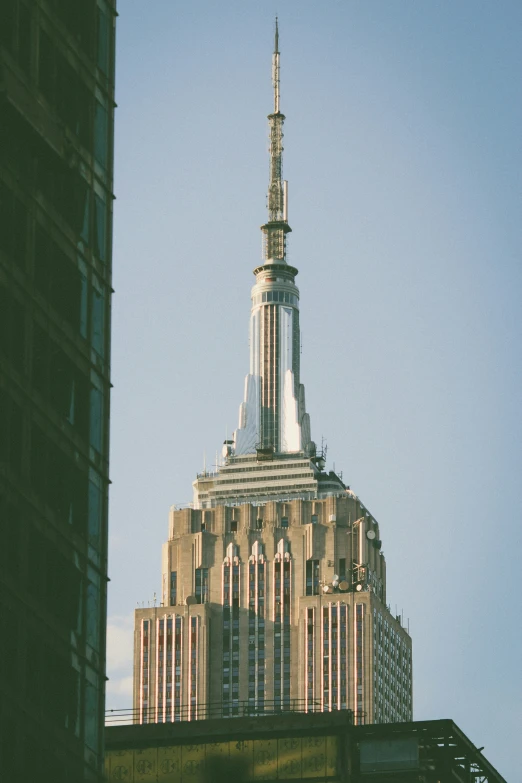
column 314, row 519
column 284, row 521
column 100, row 235
column 91, row 714
column 12, row 328
column 103, row 41
column 96, row 423
column 233, row 525
column 59, row 481
column 83, row 301
column 98, row 318
column 92, row 629
column 173, row 587
column 312, row 577
column 101, row 135
column 94, row 510
column 201, row 585
column 57, row 278
column 259, row 524
column 83, row 197
column 13, row 221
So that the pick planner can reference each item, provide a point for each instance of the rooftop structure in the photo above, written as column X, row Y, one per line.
column 327, row 748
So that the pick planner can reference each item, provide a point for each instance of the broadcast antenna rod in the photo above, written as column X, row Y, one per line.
column 275, row 230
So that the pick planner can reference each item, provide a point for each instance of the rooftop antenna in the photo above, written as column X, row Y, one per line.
column 276, row 228
column 275, row 69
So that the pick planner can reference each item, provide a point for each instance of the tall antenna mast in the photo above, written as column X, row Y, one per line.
column 275, row 230
column 275, row 69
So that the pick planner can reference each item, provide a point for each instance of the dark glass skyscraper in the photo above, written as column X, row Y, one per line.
column 56, row 163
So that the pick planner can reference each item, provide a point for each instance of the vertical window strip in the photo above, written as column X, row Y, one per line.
column 287, row 604
column 160, row 672
column 359, row 664
column 252, row 628
column 201, row 585
column 334, row 656
column 325, row 674
column 235, row 636
column 256, row 631
column 312, row 577
column 178, row 668
column 169, row 671
column 144, row 672
column 193, row 668
column 310, row 661
column 343, row 656
column 173, row 588
column 278, row 608
column 260, row 633
column 229, row 670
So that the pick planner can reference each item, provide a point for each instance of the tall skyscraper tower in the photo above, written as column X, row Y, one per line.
column 274, row 582
column 56, row 134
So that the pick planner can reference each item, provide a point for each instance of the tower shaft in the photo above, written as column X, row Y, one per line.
column 273, row 414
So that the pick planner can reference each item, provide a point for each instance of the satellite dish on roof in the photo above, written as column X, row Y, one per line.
column 190, row 600
column 343, row 585
column 359, row 588
column 370, row 534
column 327, row 588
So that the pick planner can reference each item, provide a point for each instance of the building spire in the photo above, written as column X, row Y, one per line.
column 275, row 69
column 273, row 418
column 275, row 230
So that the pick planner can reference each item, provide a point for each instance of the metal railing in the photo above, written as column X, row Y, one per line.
column 208, row 711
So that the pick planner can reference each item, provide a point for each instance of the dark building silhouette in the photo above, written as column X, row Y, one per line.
column 56, row 182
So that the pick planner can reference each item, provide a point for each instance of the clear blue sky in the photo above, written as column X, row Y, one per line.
column 403, row 154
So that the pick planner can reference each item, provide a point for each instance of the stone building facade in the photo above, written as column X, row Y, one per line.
column 279, row 602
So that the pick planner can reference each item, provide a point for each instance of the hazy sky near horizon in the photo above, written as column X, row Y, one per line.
column 403, row 155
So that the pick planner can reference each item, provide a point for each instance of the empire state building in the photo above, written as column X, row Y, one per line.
column 273, row 579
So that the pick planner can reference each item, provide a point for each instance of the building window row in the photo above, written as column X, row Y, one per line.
column 359, row 664
column 281, row 606
column 310, row 659
column 230, row 602
column 334, row 657
column 256, row 630
column 275, row 296
column 193, row 678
